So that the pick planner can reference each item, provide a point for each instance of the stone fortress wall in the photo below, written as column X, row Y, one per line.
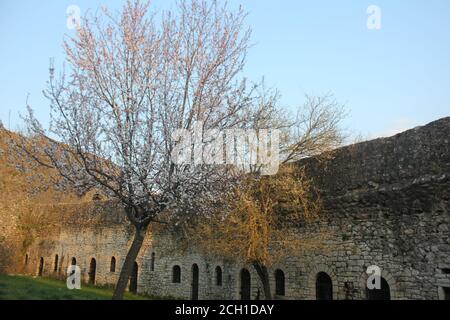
column 386, row 203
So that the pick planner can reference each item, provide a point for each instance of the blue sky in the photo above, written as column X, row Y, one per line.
column 390, row 79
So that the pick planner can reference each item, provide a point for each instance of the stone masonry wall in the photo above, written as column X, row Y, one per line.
column 386, row 201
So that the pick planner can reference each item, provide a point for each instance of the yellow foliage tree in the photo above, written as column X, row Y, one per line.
column 258, row 221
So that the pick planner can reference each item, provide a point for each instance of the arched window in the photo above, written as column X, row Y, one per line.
column 41, row 267
column 324, row 287
column 26, row 259
column 218, row 276
column 279, row 282
column 55, row 267
column 195, row 282
column 74, row 261
column 176, row 274
column 92, row 271
column 112, row 268
column 384, row 293
column 245, row 285
column 152, row 262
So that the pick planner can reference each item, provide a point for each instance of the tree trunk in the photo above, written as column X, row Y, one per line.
column 264, row 277
column 127, row 267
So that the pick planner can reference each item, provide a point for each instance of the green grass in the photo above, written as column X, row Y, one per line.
column 30, row 288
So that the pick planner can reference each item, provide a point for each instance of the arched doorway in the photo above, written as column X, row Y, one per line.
column 279, row 283
column 176, row 274
column 218, row 276
column 194, row 285
column 55, row 266
column 134, row 278
column 152, row 263
column 112, row 267
column 245, row 285
column 41, row 267
column 384, row 293
column 324, row 287
column 92, row 270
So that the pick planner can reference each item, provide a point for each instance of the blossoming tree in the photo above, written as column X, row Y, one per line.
column 131, row 81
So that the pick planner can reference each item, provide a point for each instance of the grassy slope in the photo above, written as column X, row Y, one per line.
column 29, row 288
